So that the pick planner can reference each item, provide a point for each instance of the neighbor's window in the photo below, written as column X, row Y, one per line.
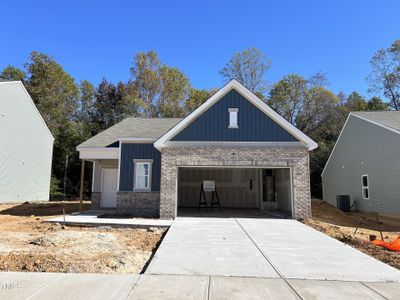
column 142, row 171
column 365, row 186
column 233, row 117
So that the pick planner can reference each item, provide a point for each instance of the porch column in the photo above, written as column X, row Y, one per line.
column 82, row 183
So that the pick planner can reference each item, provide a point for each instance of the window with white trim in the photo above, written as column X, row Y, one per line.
column 142, row 172
column 233, row 117
column 365, row 186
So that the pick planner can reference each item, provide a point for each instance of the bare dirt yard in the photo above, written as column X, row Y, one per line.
column 27, row 244
column 340, row 225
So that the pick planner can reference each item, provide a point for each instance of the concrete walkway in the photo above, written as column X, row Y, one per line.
column 38, row 286
column 92, row 218
column 272, row 248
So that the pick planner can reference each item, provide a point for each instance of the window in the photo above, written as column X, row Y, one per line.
column 365, row 186
column 142, row 172
column 233, row 117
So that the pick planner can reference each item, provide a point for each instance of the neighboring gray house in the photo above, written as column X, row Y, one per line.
column 153, row 167
column 26, row 147
column 365, row 162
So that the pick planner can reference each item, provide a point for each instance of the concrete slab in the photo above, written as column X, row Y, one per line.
column 388, row 290
column 87, row 287
column 341, row 263
column 14, row 285
column 204, row 221
column 254, row 247
column 284, row 233
column 93, row 220
column 299, row 251
column 172, row 287
column 231, row 288
column 207, row 234
column 219, row 260
column 335, row 290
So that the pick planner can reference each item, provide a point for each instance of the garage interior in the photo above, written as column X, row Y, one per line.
column 242, row 192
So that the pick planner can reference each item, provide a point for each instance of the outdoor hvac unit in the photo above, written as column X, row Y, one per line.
column 343, row 202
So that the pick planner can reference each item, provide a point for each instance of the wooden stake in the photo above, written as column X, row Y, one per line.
column 82, row 181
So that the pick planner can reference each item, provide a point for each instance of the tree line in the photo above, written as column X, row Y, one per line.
column 75, row 111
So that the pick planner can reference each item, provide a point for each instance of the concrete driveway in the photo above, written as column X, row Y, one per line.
column 226, row 259
column 268, row 248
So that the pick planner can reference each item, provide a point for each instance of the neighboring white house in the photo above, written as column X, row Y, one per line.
column 365, row 163
column 26, row 146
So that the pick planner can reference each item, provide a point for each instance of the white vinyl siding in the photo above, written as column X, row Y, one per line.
column 26, row 147
column 233, row 117
column 142, row 175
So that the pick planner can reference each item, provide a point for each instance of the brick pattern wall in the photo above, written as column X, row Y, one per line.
column 295, row 157
column 95, row 198
column 139, row 204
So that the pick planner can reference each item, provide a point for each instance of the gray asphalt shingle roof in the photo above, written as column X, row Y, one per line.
column 132, row 128
column 387, row 118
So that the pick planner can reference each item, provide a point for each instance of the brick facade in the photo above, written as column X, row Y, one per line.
column 297, row 158
column 95, row 200
column 139, row 204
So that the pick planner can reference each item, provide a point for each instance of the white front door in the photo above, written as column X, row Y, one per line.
column 109, row 188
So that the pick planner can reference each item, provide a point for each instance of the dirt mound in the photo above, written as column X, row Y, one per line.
column 27, row 244
column 341, row 226
column 43, row 241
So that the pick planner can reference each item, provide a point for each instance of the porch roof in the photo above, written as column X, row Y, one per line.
column 131, row 128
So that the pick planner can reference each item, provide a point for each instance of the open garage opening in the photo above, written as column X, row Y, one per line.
column 241, row 192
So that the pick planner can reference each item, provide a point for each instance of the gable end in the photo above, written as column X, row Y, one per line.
column 253, row 125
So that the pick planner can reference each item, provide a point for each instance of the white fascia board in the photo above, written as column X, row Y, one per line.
column 128, row 140
column 231, row 144
column 98, row 153
column 233, row 84
column 33, row 103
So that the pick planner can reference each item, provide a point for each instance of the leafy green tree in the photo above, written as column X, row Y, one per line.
column 288, row 96
column 146, row 77
column 108, row 104
column 197, row 98
column 52, row 89
column 175, row 89
column 318, row 107
column 249, row 68
column 12, row 73
column 356, row 102
column 376, row 103
column 385, row 75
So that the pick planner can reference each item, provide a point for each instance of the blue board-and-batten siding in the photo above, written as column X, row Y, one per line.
column 129, row 152
column 254, row 125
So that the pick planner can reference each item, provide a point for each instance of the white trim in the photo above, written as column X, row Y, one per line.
column 109, row 149
column 292, row 192
column 119, row 163
column 93, row 174
column 334, row 147
column 231, row 144
column 233, row 84
column 376, row 123
column 98, row 153
column 134, row 140
column 33, row 103
column 142, row 161
column 365, row 187
column 232, row 110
